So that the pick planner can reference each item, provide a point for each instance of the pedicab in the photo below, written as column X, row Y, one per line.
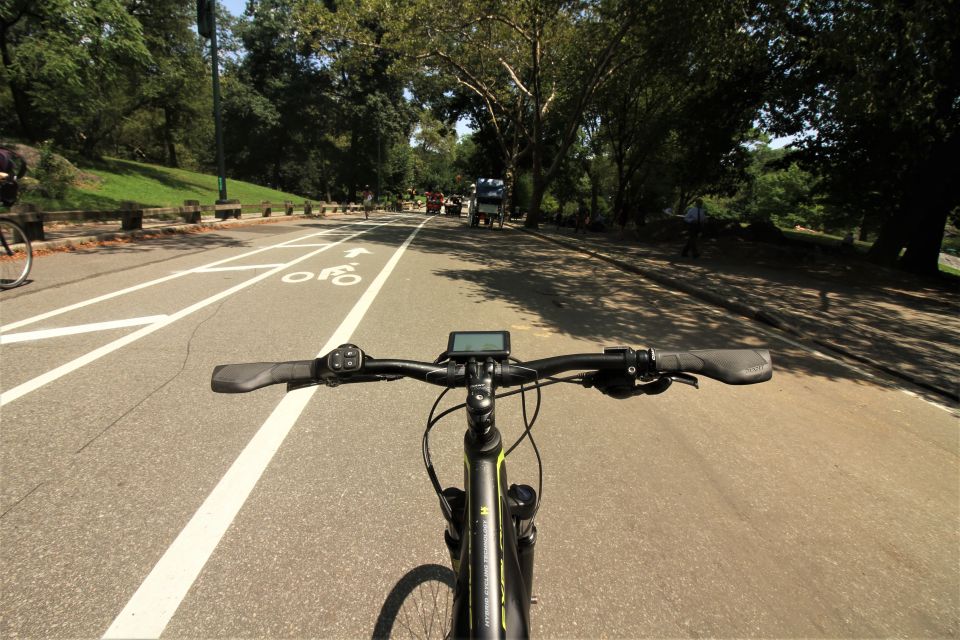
column 486, row 203
column 434, row 202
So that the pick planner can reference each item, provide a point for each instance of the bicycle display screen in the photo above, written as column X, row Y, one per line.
column 478, row 344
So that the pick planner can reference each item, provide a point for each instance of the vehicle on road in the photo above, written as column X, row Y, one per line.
column 434, row 202
column 16, row 254
column 454, row 206
column 490, row 529
column 487, row 202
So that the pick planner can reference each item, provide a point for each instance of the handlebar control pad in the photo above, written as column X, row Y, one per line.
column 346, row 358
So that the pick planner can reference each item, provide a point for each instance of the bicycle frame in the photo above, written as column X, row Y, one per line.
column 491, row 535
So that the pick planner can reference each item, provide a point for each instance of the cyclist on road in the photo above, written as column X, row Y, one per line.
column 10, row 175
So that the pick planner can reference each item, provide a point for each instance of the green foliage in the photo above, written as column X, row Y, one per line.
column 629, row 105
column 71, row 68
column 54, row 175
column 775, row 190
column 872, row 89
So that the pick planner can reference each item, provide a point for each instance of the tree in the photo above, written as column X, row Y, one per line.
column 175, row 87
column 86, row 54
column 872, row 87
column 533, row 64
column 365, row 93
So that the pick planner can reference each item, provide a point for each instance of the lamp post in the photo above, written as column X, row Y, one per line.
column 207, row 28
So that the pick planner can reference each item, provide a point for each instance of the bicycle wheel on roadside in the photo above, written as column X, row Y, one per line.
column 16, row 255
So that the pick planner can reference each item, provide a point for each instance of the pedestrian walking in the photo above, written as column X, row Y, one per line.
column 695, row 218
column 367, row 202
column 581, row 218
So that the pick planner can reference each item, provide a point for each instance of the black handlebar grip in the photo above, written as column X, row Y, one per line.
column 241, row 378
column 732, row 366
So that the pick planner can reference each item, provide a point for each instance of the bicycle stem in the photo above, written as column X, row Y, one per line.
column 480, row 397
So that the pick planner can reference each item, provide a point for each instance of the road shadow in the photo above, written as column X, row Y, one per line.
column 421, row 599
column 903, row 324
column 586, row 298
column 180, row 242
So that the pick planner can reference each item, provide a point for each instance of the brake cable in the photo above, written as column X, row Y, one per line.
column 528, row 425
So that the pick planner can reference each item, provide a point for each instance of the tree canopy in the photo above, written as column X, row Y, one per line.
column 635, row 106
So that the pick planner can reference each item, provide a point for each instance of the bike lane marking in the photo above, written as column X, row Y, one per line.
column 157, row 599
column 246, row 267
column 178, row 274
column 64, row 369
column 10, row 338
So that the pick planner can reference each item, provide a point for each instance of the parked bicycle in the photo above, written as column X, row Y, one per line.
column 490, row 525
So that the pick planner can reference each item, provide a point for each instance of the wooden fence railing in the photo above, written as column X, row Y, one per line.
column 131, row 214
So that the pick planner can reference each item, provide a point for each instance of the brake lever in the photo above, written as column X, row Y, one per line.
column 685, row 378
column 293, row 386
column 337, row 381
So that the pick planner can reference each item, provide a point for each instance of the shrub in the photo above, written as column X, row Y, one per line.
column 53, row 173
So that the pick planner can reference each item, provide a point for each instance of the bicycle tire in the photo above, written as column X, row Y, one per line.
column 16, row 254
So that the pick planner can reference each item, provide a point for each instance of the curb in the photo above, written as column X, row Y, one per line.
column 761, row 314
column 111, row 236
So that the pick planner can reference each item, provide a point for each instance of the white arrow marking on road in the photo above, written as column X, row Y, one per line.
column 353, row 253
column 9, row 338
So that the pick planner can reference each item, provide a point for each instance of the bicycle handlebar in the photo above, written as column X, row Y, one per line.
column 730, row 366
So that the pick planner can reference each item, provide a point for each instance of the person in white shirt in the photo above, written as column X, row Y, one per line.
column 367, row 202
column 695, row 218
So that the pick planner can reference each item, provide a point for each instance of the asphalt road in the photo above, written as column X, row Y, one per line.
column 135, row 502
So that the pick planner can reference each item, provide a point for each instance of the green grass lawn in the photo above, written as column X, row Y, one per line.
column 150, row 185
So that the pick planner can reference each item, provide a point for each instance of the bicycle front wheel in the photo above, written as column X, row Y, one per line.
column 16, row 255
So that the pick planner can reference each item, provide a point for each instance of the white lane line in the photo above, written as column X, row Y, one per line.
column 43, row 379
column 42, row 334
column 301, row 246
column 150, row 283
column 152, row 606
column 245, row 267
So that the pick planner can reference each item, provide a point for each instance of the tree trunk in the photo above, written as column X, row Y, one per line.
column 926, row 237
column 536, row 170
column 536, row 197
column 594, row 195
column 21, row 101
column 172, row 160
column 864, row 231
column 891, row 239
